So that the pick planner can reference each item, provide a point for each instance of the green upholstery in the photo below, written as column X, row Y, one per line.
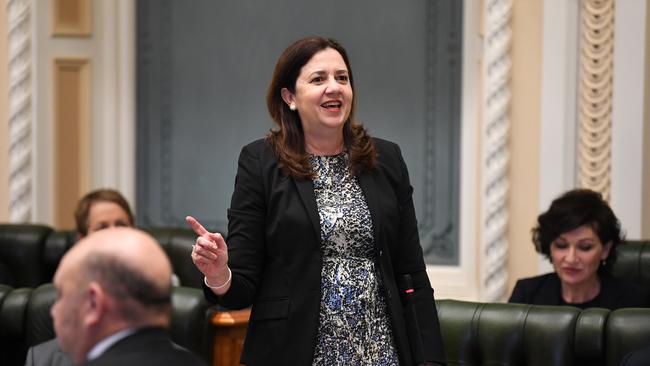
column 530, row 335
column 506, row 334
column 21, row 250
column 633, row 262
column 589, row 335
column 25, row 321
column 626, row 330
column 177, row 243
column 33, row 252
column 12, row 332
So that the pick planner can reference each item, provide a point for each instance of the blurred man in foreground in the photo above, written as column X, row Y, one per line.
column 114, row 302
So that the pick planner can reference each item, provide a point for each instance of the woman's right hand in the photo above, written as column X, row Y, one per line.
column 210, row 254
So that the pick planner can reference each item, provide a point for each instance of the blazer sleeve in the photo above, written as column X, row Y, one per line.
column 246, row 220
column 409, row 259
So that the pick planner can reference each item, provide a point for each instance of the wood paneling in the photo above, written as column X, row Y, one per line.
column 71, row 136
column 71, row 18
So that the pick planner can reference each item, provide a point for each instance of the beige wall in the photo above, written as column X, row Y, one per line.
column 4, row 118
column 645, row 224
column 524, row 137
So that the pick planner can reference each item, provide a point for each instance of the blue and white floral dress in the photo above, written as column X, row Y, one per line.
column 354, row 326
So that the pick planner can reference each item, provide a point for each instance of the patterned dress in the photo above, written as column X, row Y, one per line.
column 354, row 325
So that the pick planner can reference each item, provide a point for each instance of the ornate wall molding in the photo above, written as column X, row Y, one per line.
column 494, row 152
column 20, row 114
column 595, row 95
column 439, row 215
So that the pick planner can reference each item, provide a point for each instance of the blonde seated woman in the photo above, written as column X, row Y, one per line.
column 579, row 234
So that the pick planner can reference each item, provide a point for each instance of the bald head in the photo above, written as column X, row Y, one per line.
column 130, row 247
column 111, row 280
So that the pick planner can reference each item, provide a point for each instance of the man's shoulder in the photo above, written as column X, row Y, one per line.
column 47, row 346
column 150, row 346
column 47, row 353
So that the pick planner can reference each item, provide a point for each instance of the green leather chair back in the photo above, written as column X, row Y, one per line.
column 507, row 334
column 25, row 321
column 633, row 262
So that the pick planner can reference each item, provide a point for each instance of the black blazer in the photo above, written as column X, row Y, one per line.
column 146, row 347
column 546, row 290
column 275, row 258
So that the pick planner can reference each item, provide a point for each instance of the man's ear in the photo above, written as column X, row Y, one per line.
column 287, row 96
column 96, row 301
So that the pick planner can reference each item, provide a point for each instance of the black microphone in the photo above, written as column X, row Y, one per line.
column 412, row 326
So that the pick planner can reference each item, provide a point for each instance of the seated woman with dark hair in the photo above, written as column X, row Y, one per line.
column 579, row 234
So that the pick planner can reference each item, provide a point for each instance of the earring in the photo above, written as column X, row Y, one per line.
column 603, row 262
column 292, row 107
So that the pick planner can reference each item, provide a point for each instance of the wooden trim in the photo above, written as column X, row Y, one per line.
column 71, row 18
column 229, row 336
column 231, row 318
column 71, row 136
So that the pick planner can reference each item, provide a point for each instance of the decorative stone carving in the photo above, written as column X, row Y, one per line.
column 495, row 155
column 20, row 115
column 595, row 95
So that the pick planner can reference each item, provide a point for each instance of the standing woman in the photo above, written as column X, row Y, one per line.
column 322, row 234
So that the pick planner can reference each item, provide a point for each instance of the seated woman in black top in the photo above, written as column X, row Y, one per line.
column 579, row 234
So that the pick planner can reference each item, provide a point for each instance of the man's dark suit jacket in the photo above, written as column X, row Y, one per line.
column 274, row 253
column 146, row 347
column 639, row 357
column 546, row 290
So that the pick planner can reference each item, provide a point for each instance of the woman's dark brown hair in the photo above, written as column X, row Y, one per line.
column 288, row 139
column 573, row 209
column 100, row 195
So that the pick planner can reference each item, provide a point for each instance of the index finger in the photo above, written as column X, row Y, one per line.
column 196, row 226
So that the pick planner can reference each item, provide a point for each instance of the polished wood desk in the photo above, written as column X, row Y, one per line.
column 229, row 336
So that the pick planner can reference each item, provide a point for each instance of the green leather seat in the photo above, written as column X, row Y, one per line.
column 33, row 252
column 507, row 334
column 633, row 262
column 530, row 335
column 25, row 321
column 626, row 330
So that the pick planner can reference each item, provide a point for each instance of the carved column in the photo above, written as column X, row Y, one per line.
column 20, row 106
column 595, row 95
column 494, row 152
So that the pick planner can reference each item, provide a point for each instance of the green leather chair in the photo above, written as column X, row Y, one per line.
column 633, row 262
column 533, row 335
column 25, row 321
column 33, row 252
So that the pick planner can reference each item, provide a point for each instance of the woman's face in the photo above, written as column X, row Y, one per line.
column 323, row 94
column 106, row 214
column 577, row 254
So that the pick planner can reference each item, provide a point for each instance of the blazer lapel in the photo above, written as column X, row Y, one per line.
column 368, row 186
column 306, row 191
